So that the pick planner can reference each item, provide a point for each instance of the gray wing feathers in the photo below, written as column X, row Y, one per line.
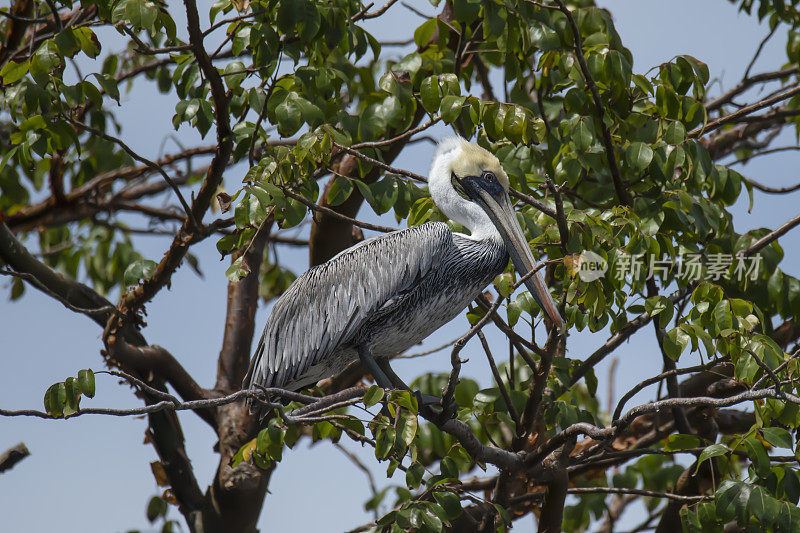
column 325, row 307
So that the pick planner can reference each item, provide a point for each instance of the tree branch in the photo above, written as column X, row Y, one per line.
column 716, row 124
column 619, row 187
column 771, row 236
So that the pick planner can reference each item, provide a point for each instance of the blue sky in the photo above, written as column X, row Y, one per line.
column 92, row 473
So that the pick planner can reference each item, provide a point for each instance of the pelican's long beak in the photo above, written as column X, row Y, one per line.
column 501, row 212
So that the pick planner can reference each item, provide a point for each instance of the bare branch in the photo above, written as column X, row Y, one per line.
column 758, row 52
column 502, row 386
column 328, row 211
column 137, row 157
column 771, row 236
column 749, row 82
column 615, row 490
column 403, row 136
column 716, row 124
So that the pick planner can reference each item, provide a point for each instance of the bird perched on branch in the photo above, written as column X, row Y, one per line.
column 388, row 293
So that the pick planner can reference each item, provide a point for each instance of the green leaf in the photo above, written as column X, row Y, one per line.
column 762, row 506
column 234, row 74
column 109, row 85
column 414, row 475
column 73, row 392
column 384, row 442
column 406, row 400
column 430, row 94
column 583, row 137
column 86, row 380
column 141, row 13
column 293, row 212
column 515, row 123
column 375, row 501
column 424, row 33
column 675, row 341
column 237, row 270
column 788, row 519
column 791, row 485
column 449, row 502
column 44, row 61
column 340, row 190
column 156, row 508
column 757, row 454
column 451, row 107
column 373, row 395
column 54, row 399
column 731, row 499
column 675, row 133
column 715, row 450
column 638, row 155
column 679, row 442
column 66, row 43
column 289, row 117
column 384, row 194
column 722, row 315
column 13, row 71
column 407, row 425
column 690, row 520
column 778, row 437
column 89, row 43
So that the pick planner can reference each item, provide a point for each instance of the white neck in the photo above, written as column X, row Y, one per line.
column 454, row 206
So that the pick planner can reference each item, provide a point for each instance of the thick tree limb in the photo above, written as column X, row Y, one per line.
column 73, row 294
column 234, row 357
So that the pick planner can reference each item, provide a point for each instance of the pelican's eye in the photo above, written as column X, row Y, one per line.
column 489, row 177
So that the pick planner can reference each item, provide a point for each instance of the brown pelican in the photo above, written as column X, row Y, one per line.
column 390, row 292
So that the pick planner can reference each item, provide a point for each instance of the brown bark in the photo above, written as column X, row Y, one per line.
column 234, row 500
column 234, row 356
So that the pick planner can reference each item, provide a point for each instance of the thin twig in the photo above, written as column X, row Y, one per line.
column 455, row 360
column 401, row 137
column 499, row 380
column 758, row 52
column 771, row 236
column 322, row 209
column 614, row 490
column 716, row 124
column 141, row 159
column 749, row 82
column 361, row 466
column 30, row 278
column 619, row 187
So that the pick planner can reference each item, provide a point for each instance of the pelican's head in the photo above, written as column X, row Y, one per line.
column 470, row 186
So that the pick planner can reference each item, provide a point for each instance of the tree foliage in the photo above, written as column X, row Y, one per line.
column 304, row 112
